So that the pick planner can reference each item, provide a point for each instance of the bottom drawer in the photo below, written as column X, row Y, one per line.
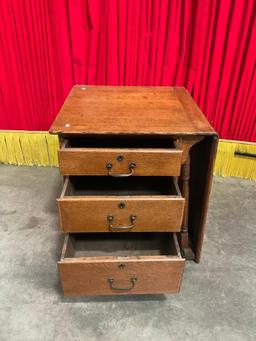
column 120, row 263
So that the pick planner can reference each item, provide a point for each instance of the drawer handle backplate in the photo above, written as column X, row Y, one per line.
column 132, row 166
column 133, row 280
column 114, row 228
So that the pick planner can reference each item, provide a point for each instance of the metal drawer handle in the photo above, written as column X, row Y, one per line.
column 114, row 228
column 133, row 280
column 132, row 166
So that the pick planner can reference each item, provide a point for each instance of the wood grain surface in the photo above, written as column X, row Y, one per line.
column 89, row 214
column 130, row 110
column 93, row 161
column 90, row 275
column 85, row 204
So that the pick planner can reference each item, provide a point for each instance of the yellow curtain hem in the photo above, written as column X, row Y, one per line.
column 39, row 148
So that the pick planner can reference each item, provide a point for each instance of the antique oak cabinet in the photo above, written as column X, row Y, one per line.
column 137, row 164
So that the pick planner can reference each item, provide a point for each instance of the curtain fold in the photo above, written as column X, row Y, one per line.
column 207, row 46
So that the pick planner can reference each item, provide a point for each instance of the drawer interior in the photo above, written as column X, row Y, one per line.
column 120, row 142
column 102, row 185
column 120, row 245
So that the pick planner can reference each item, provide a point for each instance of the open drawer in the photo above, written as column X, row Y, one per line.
column 120, row 156
column 107, row 264
column 137, row 204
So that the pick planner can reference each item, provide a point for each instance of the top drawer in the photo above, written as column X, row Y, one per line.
column 120, row 156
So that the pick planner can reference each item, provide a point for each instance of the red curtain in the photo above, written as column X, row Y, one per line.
column 207, row 46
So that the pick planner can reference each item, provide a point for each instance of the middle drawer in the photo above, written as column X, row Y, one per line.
column 137, row 204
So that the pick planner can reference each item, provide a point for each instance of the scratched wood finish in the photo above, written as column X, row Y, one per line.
column 130, row 110
column 92, row 161
column 90, row 275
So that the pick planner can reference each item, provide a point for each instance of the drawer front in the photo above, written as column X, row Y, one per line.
column 134, row 276
column 116, row 162
column 120, row 275
column 121, row 214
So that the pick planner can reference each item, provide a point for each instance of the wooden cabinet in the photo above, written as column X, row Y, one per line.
column 137, row 165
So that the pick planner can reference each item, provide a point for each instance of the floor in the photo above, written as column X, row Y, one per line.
column 217, row 300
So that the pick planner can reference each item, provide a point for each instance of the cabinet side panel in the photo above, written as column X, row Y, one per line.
column 202, row 163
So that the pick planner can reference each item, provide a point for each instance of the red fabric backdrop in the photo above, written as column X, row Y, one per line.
column 207, row 46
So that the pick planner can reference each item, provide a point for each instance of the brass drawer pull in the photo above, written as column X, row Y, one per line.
column 133, row 280
column 109, row 167
column 114, row 228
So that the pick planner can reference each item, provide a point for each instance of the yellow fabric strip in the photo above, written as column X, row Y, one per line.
column 28, row 148
column 229, row 164
column 40, row 149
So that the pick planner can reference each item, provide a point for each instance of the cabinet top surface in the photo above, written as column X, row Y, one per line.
column 130, row 110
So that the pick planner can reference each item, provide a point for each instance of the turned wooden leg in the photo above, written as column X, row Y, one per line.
column 184, row 237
